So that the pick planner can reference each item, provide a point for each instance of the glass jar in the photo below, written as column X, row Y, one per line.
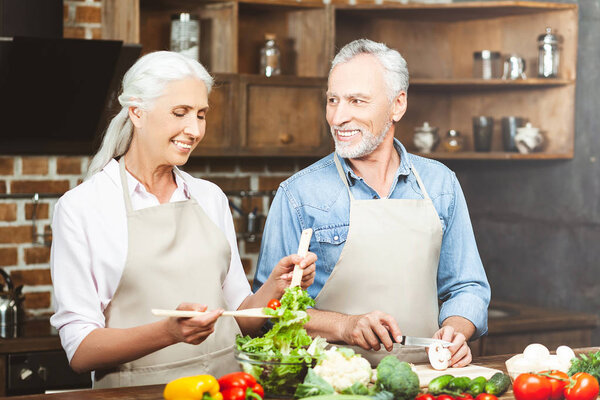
column 548, row 54
column 185, row 34
column 487, row 64
column 453, row 141
column 270, row 57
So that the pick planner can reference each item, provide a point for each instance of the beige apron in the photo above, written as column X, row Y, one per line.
column 389, row 263
column 175, row 254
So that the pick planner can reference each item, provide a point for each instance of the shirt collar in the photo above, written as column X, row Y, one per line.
column 403, row 169
column 133, row 185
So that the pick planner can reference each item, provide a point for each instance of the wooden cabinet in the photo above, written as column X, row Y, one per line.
column 285, row 115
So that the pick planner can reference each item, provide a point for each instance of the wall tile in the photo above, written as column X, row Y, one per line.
column 42, row 211
column 37, row 300
column 42, row 186
column 8, row 212
column 15, row 234
column 31, row 277
column 68, row 165
column 7, row 166
column 35, row 165
column 8, row 256
column 37, row 255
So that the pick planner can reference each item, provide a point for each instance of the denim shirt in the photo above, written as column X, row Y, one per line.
column 317, row 198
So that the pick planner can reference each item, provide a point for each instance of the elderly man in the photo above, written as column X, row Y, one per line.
column 391, row 230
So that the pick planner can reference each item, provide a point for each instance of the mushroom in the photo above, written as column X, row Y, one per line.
column 439, row 356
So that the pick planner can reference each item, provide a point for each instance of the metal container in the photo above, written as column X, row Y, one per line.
column 426, row 138
column 11, row 306
column 185, row 34
column 548, row 54
column 509, row 131
column 483, row 128
column 487, row 64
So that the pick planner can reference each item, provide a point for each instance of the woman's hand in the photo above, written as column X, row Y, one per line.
column 283, row 271
column 193, row 330
column 460, row 350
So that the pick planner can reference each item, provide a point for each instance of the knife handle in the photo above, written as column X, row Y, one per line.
column 394, row 340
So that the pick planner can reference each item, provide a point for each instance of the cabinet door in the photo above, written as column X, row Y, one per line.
column 221, row 120
column 283, row 116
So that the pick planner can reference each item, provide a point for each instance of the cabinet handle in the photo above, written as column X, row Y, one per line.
column 286, row 138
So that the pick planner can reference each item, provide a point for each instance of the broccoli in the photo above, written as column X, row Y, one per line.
column 397, row 377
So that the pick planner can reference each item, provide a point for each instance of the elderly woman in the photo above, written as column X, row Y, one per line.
column 139, row 233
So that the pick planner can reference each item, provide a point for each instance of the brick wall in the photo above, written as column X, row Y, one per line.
column 26, row 258
column 82, row 19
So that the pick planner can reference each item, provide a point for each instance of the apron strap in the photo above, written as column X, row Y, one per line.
column 126, row 197
column 342, row 175
column 420, row 182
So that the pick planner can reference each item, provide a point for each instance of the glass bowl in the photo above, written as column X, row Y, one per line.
column 278, row 375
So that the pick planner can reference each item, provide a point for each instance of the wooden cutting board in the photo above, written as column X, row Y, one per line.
column 427, row 374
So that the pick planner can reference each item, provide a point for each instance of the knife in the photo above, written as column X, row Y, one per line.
column 419, row 341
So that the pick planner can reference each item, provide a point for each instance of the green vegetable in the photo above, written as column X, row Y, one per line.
column 397, row 377
column 459, row 384
column 437, row 385
column 313, row 385
column 588, row 363
column 356, row 388
column 497, row 384
column 286, row 342
column 477, row 386
column 378, row 396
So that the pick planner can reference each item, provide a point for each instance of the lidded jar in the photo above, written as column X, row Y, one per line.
column 270, row 57
column 548, row 54
column 426, row 138
column 185, row 34
column 453, row 141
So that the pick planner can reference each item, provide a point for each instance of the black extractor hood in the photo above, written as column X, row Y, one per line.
column 56, row 95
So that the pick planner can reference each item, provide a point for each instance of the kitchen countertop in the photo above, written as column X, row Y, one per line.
column 154, row 392
column 35, row 334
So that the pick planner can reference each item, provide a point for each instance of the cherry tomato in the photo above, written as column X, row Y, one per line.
column 585, row 387
column 444, row 397
column 532, row 387
column 464, row 396
column 558, row 380
column 486, row 396
column 425, row 396
column 274, row 304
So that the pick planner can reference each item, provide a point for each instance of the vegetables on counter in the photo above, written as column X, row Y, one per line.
column 555, row 385
column 199, row 387
column 536, row 357
column 397, row 377
column 240, row 386
column 466, row 388
column 589, row 363
column 582, row 387
column 285, row 352
column 497, row 384
column 343, row 368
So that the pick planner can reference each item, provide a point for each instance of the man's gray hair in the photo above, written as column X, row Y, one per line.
column 396, row 72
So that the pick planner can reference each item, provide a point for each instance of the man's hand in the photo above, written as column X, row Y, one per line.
column 370, row 330
column 193, row 330
column 283, row 271
column 461, row 353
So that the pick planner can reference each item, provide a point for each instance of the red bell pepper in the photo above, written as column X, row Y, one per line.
column 240, row 386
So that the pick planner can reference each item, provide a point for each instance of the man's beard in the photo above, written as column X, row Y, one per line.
column 368, row 143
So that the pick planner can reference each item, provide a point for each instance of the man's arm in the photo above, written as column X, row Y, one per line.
column 368, row 331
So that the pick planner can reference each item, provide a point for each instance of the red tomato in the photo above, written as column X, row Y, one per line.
column 464, row 396
column 558, row 380
column 532, row 387
column 273, row 304
column 425, row 396
column 486, row 396
column 444, row 397
column 584, row 388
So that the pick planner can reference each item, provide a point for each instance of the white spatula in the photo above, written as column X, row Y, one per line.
column 302, row 250
column 249, row 312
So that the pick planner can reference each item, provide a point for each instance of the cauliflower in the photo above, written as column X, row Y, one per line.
column 342, row 368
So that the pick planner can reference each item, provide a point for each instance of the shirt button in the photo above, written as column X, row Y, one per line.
column 336, row 237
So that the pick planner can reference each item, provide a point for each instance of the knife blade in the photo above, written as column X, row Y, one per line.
column 425, row 342
column 418, row 341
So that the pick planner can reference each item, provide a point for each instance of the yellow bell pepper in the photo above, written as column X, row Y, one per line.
column 193, row 388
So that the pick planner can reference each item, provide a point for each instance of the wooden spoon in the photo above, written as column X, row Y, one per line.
column 249, row 312
column 302, row 250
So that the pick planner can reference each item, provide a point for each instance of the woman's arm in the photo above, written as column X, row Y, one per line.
column 108, row 347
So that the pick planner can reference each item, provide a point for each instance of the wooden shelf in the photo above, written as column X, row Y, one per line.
column 495, row 155
column 474, row 83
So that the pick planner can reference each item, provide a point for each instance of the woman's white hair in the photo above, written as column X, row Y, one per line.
column 396, row 72
column 143, row 83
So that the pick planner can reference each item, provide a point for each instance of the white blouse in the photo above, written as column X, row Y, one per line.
column 89, row 247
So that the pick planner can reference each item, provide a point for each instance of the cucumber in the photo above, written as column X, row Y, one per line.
column 497, row 384
column 459, row 384
column 477, row 386
column 438, row 384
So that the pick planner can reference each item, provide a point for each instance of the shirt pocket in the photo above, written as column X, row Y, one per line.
column 331, row 241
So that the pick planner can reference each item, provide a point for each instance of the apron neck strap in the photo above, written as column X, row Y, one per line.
column 124, row 185
column 420, row 182
column 340, row 170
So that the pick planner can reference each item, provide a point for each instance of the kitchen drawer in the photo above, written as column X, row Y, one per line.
column 36, row 372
